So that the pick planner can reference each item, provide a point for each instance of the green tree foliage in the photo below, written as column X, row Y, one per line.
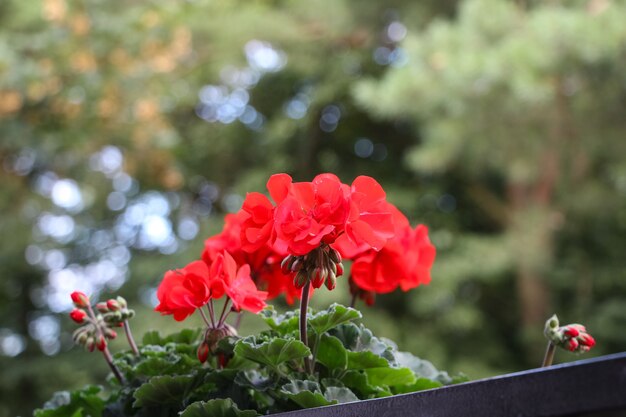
column 496, row 123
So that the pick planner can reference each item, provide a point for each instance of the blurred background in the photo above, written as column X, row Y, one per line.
column 129, row 128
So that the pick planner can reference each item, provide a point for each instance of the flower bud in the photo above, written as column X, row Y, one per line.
column 222, row 360
column 571, row 331
column 113, row 305
column 572, row 345
column 587, row 340
column 90, row 344
column 82, row 338
column 80, row 299
column 122, row 302
column 296, row 265
column 339, row 269
column 78, row 315
column 110, row 333
column 317, row 280
column 203, row 352
column 285, row 265
column 334, row 255
column 300, row 279
column 102, row 307
column 331, row 281
column 101, row 343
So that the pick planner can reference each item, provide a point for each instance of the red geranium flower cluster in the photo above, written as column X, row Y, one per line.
column 184, row 290
column 308, row 214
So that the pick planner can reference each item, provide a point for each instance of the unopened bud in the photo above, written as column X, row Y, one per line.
column 113, row 305
column 587, row 340
column 222, row 359
column 296, row 265
column 102, row 343
column 78, row 315
column 102, row 307
column 203, row 352
column 339, row 269
column 80, row 299
column 572, row 345
column 110, row 333
column 331, row 281
column 571, row 331
column 319, row 276
column 285, row 265
column 90, row 344
column 334, row 255
column 122, row 302
column 300, row 279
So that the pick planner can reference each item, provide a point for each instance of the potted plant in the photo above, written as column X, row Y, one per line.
column 303, row 359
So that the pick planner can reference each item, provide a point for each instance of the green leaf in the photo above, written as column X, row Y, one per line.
column 271, row 353
column 283, row 324
column 164, row 390
column 186, row 336
column 365, row 359
column 255, row 379
column 80, row 403
column 216, row 408
column 332, row 354
column 332, row 317
column 358, row 382
column 422, row 368
column 390, row 376
column 306, row 394
column 340, row 395
column 419, row 385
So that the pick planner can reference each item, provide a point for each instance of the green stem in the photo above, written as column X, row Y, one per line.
column 549, row 356
column 304, row 304
column 131, row 339
column 318, row 340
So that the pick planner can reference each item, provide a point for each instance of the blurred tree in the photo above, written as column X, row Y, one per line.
column 523, row 105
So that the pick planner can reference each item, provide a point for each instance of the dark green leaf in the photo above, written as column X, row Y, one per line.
column 332, row 317
column 255, row 379
column 170, row 390
column 216, row 408
column 186, row 336
column 358, row 382
column 340, row 395
column 306, row 394
column 271, row 353
column 331, row 353
column 80, row 403
column 422, row 368
column 365, row 359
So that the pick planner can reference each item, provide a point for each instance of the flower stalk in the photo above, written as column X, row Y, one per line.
column 304, row 305
column 548, row 358
column 130, row 338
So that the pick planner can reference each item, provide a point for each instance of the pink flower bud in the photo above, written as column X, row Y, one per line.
column 80, row 299
column 203, row 352
column 109, row 333
column 90, row 344
column 102, row 307
column 78, row 315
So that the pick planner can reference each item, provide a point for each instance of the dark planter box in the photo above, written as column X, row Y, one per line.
column 593, row 387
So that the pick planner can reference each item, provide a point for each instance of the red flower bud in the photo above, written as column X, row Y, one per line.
column 113, row 305
column 339, row 269
column 90, row 344
column 572, row 345
column 222, row 360
column 109, row 333
column 78, row 315
column 587, row 340
column 571, row 331
column 102, row 343
column 203, row 352
column 80, row 299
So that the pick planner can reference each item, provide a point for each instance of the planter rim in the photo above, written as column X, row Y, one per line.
column 567, row 389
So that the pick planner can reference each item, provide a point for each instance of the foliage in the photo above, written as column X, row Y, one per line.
column 264, row 373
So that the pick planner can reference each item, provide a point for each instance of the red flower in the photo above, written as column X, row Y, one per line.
column 227, row 278
column 264, row 262
column 184, row 290
column 405, row 261
column 309, row 213
column 78, row 315
column 80, row 299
